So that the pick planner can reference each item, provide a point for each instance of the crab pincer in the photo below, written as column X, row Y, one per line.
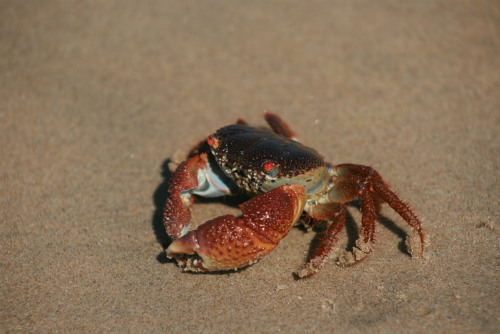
column 227, row 242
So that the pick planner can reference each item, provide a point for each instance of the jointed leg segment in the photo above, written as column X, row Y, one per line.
column 352, row 181
column 320, row 255
column 372, row 188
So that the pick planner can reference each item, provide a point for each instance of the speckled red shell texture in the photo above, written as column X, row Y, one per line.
column 228, row 242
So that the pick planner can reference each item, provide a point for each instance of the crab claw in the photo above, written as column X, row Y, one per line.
column 227, row 242
column 194, row 176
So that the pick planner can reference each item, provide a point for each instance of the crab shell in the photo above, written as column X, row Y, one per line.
column 259, row 160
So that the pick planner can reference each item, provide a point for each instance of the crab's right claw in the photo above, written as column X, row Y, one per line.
column 194, row 176
column 177, row 214
column 227, row 242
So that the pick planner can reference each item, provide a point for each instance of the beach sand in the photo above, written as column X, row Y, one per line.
column 96, row 98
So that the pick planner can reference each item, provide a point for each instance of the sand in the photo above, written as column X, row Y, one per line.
column 96, row 97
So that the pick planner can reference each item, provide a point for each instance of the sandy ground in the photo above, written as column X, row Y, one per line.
column 95, row 97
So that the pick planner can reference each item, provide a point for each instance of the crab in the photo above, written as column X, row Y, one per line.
column 288, row 183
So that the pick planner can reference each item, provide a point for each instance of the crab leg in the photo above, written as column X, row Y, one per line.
column 227, row 242
column 356, row 180
column 279, row 126
column 193, row 177
column 366, row 242
column 320, row 255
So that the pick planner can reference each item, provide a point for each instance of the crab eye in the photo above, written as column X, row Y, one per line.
column 212, row 141
column 270, row 168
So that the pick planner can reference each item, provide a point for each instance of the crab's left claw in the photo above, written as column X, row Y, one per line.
column 227, row 242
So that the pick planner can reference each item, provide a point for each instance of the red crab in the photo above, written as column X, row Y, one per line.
column 286, row 180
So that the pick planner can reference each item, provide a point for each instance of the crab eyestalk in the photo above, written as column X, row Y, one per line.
column 227, row 242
